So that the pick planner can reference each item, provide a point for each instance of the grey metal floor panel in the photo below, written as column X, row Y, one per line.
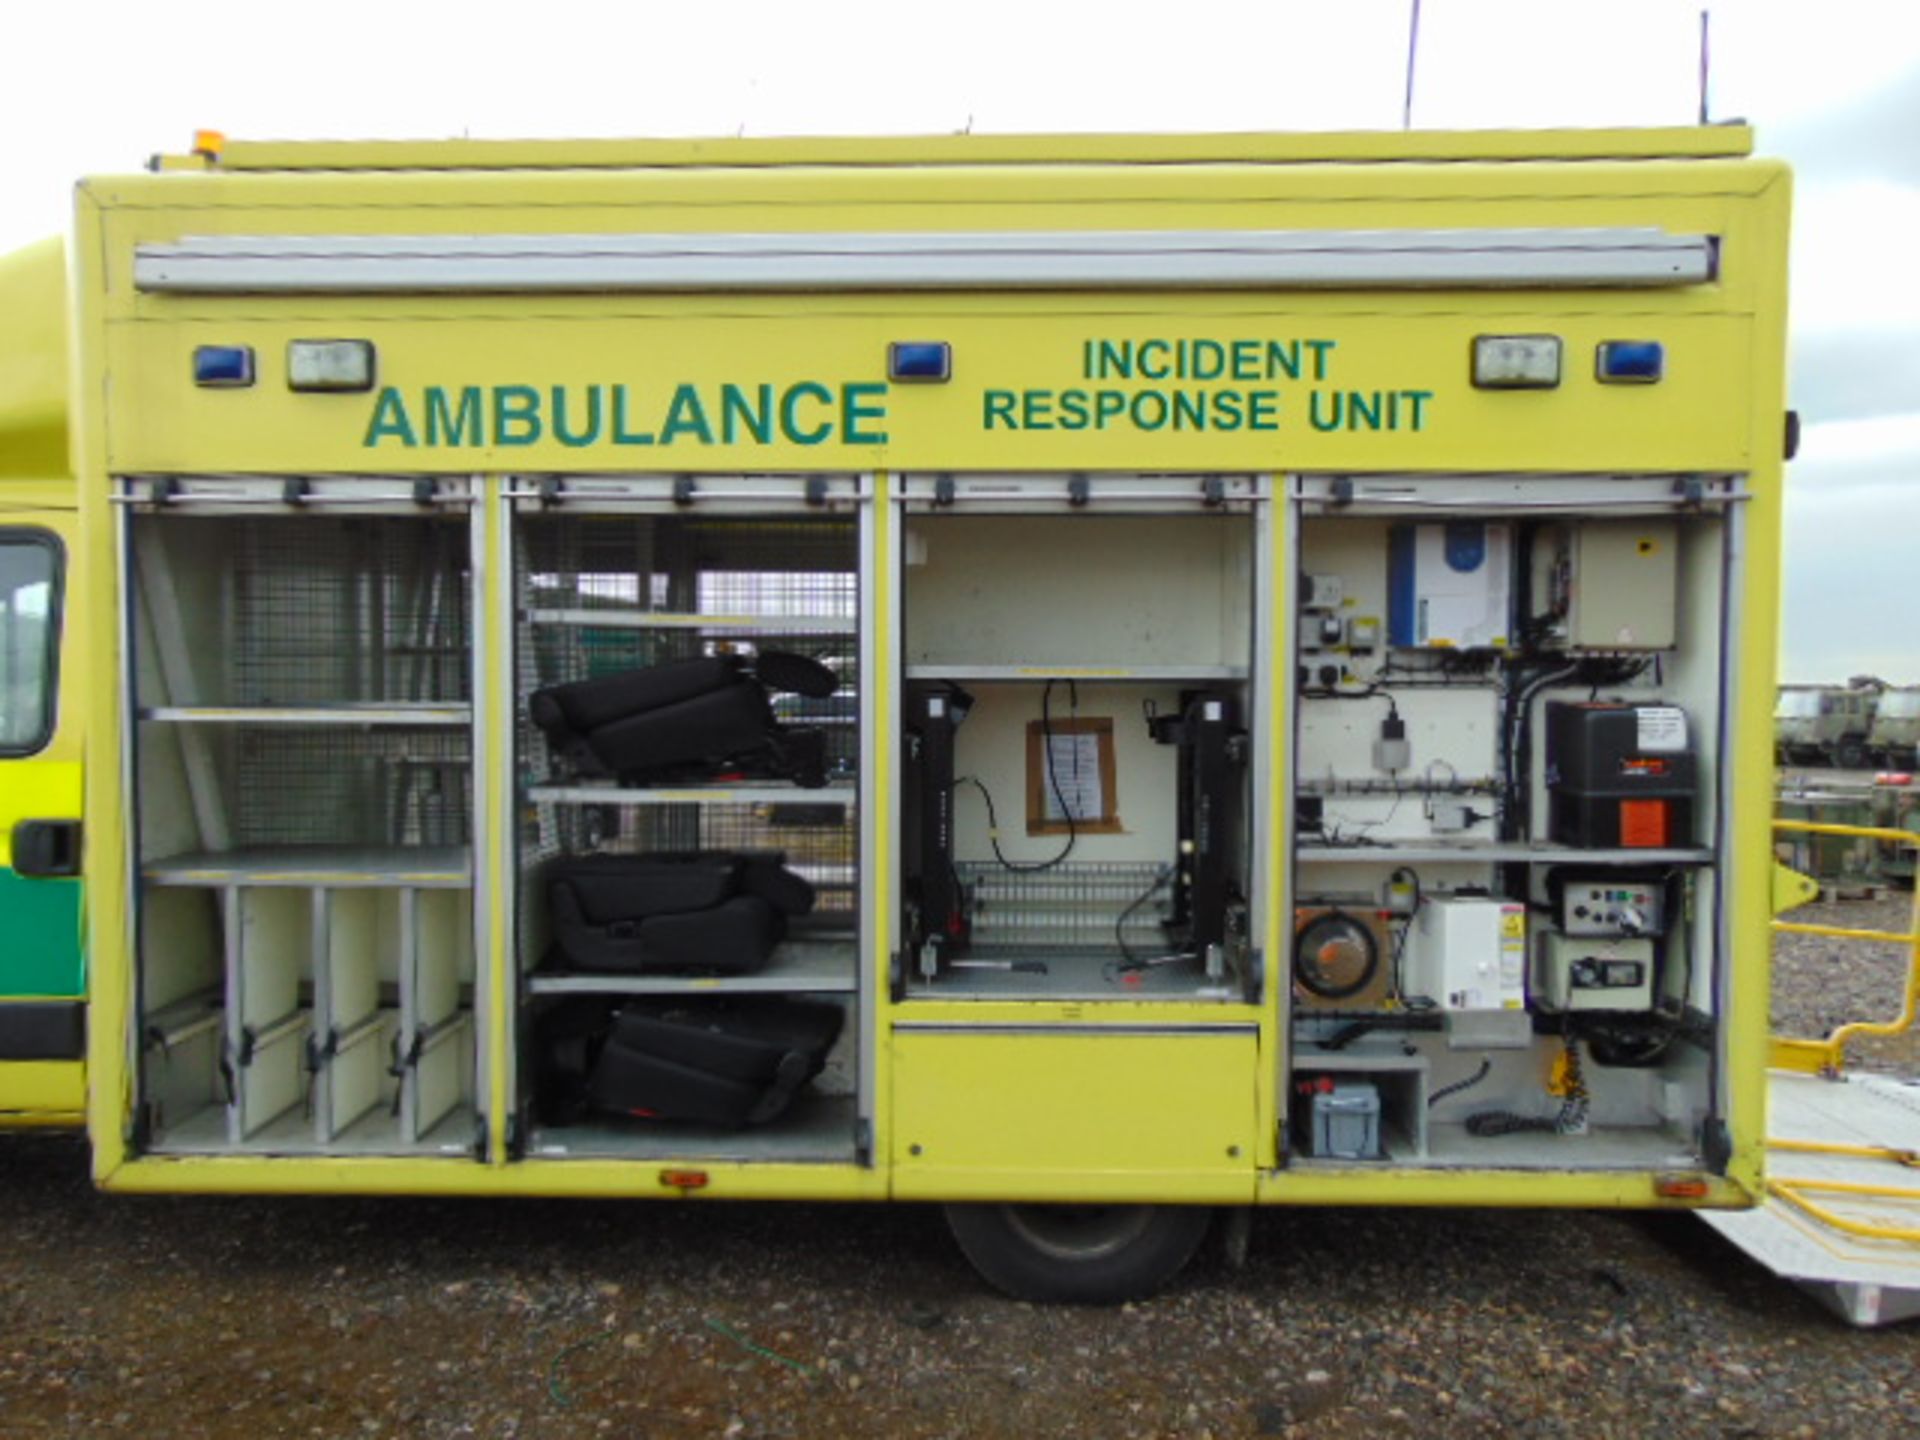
column 1868, row 1281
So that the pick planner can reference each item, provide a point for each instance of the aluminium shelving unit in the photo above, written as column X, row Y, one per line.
column 613, row 574
column 299, row 655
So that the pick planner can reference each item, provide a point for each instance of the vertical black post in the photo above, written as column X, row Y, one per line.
column 1207, row 848
column 942, row 921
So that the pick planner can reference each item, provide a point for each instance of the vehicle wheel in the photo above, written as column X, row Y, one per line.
column 1850, row 754
column 1082, row 1254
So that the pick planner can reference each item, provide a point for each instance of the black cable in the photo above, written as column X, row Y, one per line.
column 1411, row 1002
column 1018, row 867
column 1131, row 961
column 1026, row 867
column 1053, row 774
column 1571, row 1119
column 1486, row 1069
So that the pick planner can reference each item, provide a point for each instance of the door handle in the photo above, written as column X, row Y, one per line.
column 44, row 849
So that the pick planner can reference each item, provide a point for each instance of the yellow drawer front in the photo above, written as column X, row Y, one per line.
column 1082, row 1114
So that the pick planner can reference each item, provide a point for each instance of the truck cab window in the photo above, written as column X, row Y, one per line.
column 29, row 640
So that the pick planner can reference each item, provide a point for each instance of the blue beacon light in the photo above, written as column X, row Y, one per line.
column 1630, row 362
column 928, row 361
column 223, row 366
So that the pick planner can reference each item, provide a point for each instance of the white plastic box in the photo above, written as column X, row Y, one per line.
column 1467, row 953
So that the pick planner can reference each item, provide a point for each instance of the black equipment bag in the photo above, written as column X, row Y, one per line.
column 730, row 1062
column 688, row 718
column 715, row 911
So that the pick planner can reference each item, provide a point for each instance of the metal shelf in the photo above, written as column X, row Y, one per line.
column 341, row 866
column 381, row 712
column 675, row 620
column 813, row 967
column 1488, row 852
column 816, row 1129
column 769, row 794
column 1075, row 672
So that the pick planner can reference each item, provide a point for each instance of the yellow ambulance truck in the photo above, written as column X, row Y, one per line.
column 1093, row 681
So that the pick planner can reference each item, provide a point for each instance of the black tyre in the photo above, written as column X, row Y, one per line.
column 1850, row 754
column 1080, row 1254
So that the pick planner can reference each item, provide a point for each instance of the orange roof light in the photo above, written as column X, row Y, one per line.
column 209, row 143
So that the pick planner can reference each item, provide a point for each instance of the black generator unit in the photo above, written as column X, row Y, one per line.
column 1620, row 776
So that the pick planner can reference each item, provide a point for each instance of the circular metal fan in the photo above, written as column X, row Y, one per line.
column 1335, row 956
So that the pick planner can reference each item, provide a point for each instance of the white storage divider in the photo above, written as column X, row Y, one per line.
column 346, row 1003
column 434, row 1040
column 269, row 952
column 182, row 993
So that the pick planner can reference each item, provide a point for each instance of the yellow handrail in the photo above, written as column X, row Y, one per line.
column 1829, row 1056
column 1791, row 1191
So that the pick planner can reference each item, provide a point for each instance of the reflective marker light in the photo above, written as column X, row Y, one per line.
column 229, row 366
column 329, row 364
column 1630, row 362
column 1516, row 362
column 928, row 360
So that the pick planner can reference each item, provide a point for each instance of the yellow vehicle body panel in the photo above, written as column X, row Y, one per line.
column 36, row 1093
column 1302, row 147
column 987, row 1114
column 40, row 960
column 1179, row 1114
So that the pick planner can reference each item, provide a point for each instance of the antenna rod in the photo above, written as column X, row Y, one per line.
column 1413, row 45
column 1704, row 56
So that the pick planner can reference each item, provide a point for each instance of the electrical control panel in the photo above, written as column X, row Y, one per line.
column 1582, row 973
column 1604, row 904
column 1467, row 953
column 1450, row 585
column 1508, row 737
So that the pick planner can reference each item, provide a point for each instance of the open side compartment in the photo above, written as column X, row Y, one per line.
column 689, row 704
column 1080, row 755
column 1506, row 871
column 302, row 818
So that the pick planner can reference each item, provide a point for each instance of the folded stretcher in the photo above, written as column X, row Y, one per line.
column 689, row 719
column 731, row 1062
column 720, row 912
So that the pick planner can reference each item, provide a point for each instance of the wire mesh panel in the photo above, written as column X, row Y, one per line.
column 309, row 609
column 600, row 595
column 1074, row 906
column 591, row 587
column 338, row 784
column 792, row 569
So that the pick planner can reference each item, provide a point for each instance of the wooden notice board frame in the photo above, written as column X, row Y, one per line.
column 1038, row 821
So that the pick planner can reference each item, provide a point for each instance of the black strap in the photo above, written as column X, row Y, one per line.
column 403, row 1062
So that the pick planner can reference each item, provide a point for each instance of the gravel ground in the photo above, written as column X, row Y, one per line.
column 234, row 1317
column 1819, row 983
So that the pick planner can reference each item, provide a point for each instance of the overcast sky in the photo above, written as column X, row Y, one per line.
column 1832, row 85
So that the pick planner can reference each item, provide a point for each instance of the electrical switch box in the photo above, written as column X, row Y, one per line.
column 1322, row 592
column 1621, row 583
column 1467, row 953
column 1604, row 903
column 1576, row 972
column 1450, row 585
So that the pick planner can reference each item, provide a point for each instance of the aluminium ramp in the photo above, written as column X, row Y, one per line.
column 1824, row 1205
